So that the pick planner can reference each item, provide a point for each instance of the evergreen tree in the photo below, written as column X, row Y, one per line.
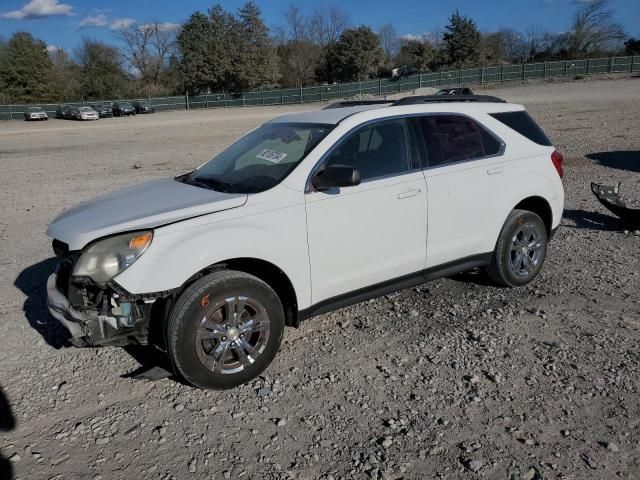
column 256, row 62
column 462, row 41
column 632, row 46
column 356, row 55
column 417, row 55
column 101, row 72
column 206, row 48
column 25, row 70
column 65, row 75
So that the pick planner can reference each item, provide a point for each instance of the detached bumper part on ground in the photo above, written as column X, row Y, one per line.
column 609, row 197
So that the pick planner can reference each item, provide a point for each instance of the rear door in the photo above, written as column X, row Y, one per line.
column 465, row 166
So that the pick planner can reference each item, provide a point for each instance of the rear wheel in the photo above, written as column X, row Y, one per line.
column 520, row 250
column 225, row 329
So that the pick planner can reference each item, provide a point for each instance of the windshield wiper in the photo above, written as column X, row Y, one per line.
column 212, row 183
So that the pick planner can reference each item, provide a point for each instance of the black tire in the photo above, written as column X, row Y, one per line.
column 504, row 267
column 186, row 349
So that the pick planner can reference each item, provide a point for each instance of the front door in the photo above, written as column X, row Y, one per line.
column 376, row 231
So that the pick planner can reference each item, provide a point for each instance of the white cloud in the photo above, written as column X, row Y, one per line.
column 121, row 23
column 94, row 21
column 39, row 9
column 52, row 48
column 413, row 36
column 166, row 26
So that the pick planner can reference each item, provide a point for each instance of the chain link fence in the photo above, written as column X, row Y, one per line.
column 379, row 87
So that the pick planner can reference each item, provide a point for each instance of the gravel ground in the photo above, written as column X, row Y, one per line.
column 452, row 379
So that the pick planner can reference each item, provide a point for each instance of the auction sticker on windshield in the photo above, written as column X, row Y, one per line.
column 271, row 155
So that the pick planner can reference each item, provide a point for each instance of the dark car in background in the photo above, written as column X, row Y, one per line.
column 123, row 108
column 143, row 107
column 63, row 112
column 35, row 113
column 454, row 91
column 104, row 110
column 72, row 114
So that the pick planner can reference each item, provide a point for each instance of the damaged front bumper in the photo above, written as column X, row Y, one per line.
column 116, row 322
column 60, row 309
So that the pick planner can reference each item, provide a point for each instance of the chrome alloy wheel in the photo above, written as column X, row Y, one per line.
column 526, row 246
column 232, row 334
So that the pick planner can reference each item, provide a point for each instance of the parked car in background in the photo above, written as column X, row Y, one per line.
column 124, row 108
column 83, row 113
column 308, row 213
column 104, row 110
column 63, row 112
column 403, row 71
column 87, row 113
column 35, row 113
column 454, row 91
column 143, row 107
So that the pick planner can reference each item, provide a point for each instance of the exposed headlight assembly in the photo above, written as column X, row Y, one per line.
column 104, row 259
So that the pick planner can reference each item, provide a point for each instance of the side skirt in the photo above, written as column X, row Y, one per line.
column 394, row 285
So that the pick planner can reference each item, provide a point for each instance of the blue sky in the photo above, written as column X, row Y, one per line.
column 64, row 22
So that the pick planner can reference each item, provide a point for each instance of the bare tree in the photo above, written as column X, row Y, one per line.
column 296, row 25
column 504, row 45
column 326, row 24
column 434, row 37
column 534, row 42
column 148, row 48
column 594, row 28
column 299, row 56
column 389, row 41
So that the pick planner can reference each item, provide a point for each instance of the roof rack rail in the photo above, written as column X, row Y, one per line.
column 447, row 98
column 356, row 103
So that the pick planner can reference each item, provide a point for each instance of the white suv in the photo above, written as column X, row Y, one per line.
column 308, row 213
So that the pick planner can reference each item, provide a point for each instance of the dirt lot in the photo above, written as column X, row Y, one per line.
column 453, row 379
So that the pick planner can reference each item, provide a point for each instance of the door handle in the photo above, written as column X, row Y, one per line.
column 409, row 193
column 494, row 171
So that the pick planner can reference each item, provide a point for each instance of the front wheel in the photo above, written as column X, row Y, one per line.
column 520, row 250
column 225, row 329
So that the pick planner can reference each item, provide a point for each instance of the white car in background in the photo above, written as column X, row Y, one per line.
column 86, row 113
column 308, row 213
column 35, row 113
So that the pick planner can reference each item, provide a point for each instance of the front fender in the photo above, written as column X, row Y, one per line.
column 180, row 251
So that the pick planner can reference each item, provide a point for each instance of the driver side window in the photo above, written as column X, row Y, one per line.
column 378, row 150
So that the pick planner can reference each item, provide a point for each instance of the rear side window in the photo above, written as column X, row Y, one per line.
column 455, row 138
column 522, row 123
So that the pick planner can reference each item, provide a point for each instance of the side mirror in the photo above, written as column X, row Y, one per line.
column 336, row 176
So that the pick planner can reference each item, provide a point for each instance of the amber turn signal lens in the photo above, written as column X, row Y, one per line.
column 140, row 242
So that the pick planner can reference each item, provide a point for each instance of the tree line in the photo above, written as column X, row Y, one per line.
column 221, row 51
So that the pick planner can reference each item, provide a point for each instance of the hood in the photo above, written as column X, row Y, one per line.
column 148, row 205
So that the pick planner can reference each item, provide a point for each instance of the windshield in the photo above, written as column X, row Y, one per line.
column 86, row 109
column 261, row 159
column 35, row 109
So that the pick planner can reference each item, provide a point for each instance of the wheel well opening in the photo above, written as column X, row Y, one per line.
column 272, row 276
column 539, row 206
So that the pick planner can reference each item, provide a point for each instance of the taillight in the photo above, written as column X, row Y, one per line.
column 556, row 158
